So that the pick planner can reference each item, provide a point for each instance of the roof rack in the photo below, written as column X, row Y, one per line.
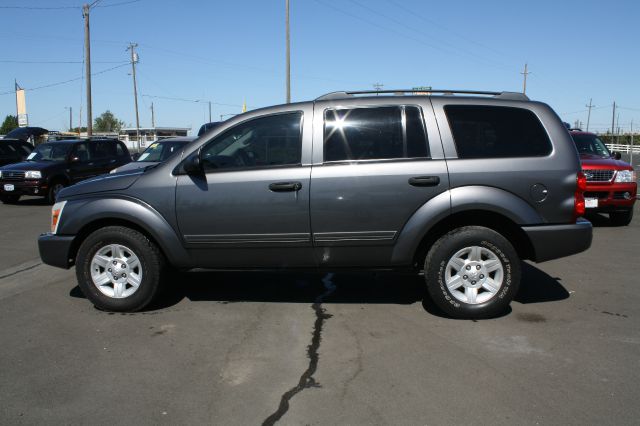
column 516, row 96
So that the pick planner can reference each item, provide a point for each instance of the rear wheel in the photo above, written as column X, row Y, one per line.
column 54, row 188
column 621, row 218
column 119, row 269
column 9, row 199
column 472, row 272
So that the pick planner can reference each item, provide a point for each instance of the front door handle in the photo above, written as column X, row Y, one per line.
column 424, row 181
column 285, row 186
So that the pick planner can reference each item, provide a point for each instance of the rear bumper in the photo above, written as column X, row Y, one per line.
column 55, row 250
column 555, row 241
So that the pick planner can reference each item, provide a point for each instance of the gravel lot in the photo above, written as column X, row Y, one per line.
column 266, row 348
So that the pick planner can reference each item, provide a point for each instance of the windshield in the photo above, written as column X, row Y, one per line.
column 591, row 144
column 160, row 151
column 50, row 152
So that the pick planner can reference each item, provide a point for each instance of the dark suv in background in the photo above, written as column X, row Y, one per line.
column 54, row 165
column 461, row 187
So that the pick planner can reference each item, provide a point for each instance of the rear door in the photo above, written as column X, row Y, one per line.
column 374, row 166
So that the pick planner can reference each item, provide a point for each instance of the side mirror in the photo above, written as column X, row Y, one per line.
column 192, row 165
column 135, row 156
column 616, row 155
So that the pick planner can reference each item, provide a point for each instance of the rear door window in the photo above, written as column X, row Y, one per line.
column 481, row 131
column 380, row 133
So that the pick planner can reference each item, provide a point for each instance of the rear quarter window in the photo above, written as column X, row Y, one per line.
column 481, row 131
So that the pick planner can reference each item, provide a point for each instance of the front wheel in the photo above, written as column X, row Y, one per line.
column 119, row 269
column 472, row 272
column 622, row 218
column 52, row 194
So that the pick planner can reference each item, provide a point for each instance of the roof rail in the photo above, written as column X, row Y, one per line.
column 516, row 96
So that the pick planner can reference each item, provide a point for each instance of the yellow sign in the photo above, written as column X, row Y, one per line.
column 21, row 105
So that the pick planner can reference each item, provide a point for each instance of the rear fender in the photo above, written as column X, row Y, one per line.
column 458, row 200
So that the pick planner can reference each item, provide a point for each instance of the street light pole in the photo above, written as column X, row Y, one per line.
column 87, row 61
column 134, row 60
column 288, row 66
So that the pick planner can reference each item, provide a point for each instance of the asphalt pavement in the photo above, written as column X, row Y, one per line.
column 311, row 349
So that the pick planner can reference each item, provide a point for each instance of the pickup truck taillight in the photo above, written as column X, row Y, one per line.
column 579, row 205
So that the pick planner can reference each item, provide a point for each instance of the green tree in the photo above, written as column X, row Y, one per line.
column 10, row 123
column 107, row 122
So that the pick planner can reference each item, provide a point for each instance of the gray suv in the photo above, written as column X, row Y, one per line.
column 460, row 185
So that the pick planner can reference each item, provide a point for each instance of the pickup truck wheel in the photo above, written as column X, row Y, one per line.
column 119, row 269
column 54, row 188
column 9, row 199
column 621, row 218
column 472, row 272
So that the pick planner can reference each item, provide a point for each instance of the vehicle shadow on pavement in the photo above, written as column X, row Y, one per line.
column 31, row 201
column 599, row 220
column 350, row 288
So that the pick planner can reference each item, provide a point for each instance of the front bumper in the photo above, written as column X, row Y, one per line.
column 611, row 196
column 555, row 241
column 25, row 187
column 55, row 250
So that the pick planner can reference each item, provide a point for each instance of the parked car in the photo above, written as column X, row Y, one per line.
column 159, row 151
column 55, row 165
column 460, row 187
column 14, row 151
column 208, row 126
column 611, row 182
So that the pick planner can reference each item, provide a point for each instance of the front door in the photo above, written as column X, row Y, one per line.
column 250, row 206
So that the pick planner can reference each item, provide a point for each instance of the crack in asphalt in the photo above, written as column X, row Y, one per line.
column 19, row 270
column 306, row 379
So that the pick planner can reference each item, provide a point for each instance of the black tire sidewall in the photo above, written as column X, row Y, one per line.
column 149, row 260
column 447, row 246
column 51, row 197
column 623, row 218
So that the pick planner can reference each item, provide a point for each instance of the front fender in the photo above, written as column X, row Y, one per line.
column 82, row 213
column 458, row 200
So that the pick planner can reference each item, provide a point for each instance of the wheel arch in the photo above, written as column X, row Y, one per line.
column 490, row 207
column 89, row 215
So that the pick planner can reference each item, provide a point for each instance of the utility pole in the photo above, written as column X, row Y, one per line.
column 87, row 61
column 378, row 87
column 70, row 115
column 589, row 115
column 288, row 67
column 613, row 120
column 134, row 60
column 631, row 159
column 153, row 117
column 209, row 111
column 524, row 84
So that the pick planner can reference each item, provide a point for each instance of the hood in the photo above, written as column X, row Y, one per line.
column 134, row 165
column 30, row 165
column 104, row 183
column 24, row 133
column 595, row 161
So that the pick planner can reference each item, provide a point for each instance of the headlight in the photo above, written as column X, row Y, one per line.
column 0, row 174
column 113, row 171
column 33, row 174
column 56, row 214
column 625, row 176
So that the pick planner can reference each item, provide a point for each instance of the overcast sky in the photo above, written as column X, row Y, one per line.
column 232, row 51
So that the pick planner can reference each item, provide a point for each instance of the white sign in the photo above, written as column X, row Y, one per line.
column 9, row 187
column 23, row 120
column 591, row 203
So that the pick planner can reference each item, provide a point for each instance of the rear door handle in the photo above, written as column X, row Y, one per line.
column 424, row 181
column 285, row 186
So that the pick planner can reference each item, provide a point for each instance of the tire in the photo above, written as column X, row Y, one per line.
column 470, row 263
column 621, row 218
column 9, row 199
column 106, row 284
column 54, row 188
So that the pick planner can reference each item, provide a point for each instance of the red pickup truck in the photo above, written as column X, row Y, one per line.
column 611, row 183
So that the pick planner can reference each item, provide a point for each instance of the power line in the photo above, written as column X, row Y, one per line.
column 40, row 7
column 191, row 100
column 8, row 61
column 59, row 83
column 120, row 4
